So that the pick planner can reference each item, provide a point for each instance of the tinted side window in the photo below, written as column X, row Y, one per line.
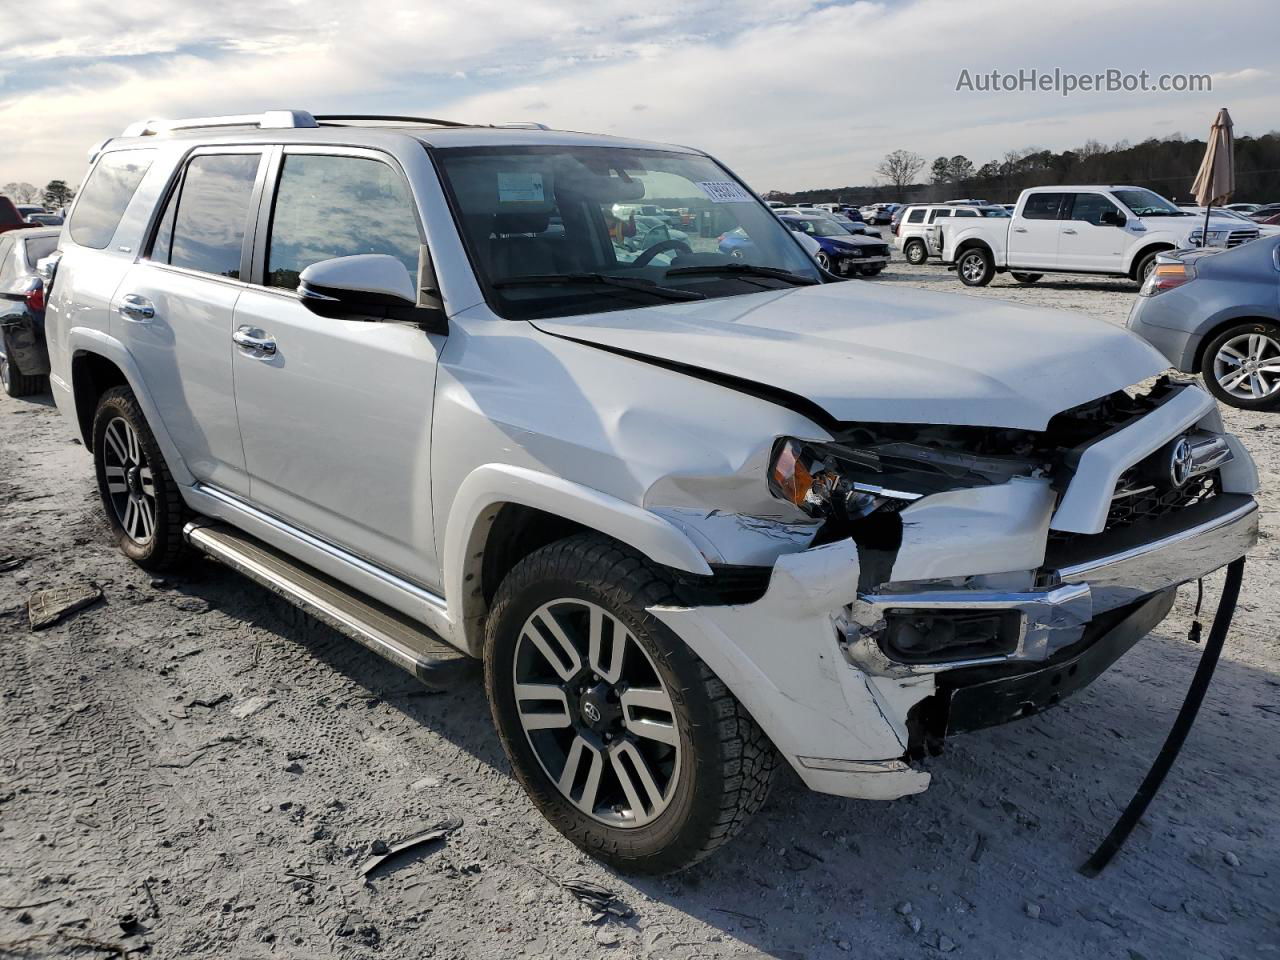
column 965, row 213
column 938, row 215
column 1090, row 207
column 38, row 248
column 212, row 213
column 330, row 207
column 915, row 216
column 1042, row 206
column 106, row 194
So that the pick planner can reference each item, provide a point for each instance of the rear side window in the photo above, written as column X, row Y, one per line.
column 939, row 214
column 106, row 194
column 204, row 225
column 336, row 206
column 915, row 216
column 39, row 247
column 964, row 212
column 1042, row 206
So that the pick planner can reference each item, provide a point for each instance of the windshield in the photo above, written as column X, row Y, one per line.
column 1145, row 203
column 817, row 226
column 560, row 230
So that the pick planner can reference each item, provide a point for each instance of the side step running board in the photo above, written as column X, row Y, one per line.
column 385, row 631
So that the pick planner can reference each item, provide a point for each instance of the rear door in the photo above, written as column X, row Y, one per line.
column 1086, row 241
column 1033, row 234
column 174, row 309
column 336, row 416
column 933, row 232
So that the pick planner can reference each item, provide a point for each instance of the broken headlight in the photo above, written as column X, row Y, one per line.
column 828, row 481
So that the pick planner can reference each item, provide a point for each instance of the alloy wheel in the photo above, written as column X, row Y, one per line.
column 823, row 261
column 973, row 267
column 131, row 487
column 1248, row 366
column 596, row 713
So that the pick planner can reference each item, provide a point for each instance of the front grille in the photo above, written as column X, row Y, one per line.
column 1237, row 237
column 1141, row 505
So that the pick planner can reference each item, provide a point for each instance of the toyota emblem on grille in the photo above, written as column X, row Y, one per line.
column 1181, row 460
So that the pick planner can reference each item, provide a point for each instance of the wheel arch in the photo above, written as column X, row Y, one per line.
column 1218, row 325
column 502, row 513
column 970, row 243
column 100, row 362
column 1160, row 246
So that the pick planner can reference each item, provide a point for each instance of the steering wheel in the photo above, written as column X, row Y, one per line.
column 662, row 246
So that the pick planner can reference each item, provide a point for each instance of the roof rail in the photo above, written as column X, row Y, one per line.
column 522, row 125
column 268, row 120
column 339, row 119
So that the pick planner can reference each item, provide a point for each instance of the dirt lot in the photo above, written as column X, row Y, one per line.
column 198, row 760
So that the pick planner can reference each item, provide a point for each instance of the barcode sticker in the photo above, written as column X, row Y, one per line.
column 725, row 191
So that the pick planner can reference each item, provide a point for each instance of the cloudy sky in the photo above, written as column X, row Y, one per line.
column 790, row 93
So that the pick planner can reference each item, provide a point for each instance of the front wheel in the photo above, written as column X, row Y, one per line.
column 823, row 261
column 625, row 741
column 1241, row 365
column 140, row 497
column 976, row 268
column 1026, row 277
column 915, row 252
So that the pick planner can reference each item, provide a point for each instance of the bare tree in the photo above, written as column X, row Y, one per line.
column 901, row 167
column 22, row 192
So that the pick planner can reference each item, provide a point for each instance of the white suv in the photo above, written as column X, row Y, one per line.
column 913, row 236
column 694, row 512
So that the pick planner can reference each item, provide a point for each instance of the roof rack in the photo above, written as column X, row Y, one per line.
column 268, row 120
column 340, row 119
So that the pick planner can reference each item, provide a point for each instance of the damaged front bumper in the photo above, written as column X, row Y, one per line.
column 809, row 662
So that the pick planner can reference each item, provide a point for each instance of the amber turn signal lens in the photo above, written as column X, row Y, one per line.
column 791, row 478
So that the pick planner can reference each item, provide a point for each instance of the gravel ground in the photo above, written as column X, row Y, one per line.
column 195, row 766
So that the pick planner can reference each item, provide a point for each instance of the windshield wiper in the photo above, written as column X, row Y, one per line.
column 626, row 283
column 743, row 268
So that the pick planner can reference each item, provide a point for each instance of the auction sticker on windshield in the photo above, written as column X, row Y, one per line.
column 724, row 191
column 520, row 188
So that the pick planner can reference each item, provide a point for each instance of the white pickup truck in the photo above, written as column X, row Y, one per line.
column 1108, row 230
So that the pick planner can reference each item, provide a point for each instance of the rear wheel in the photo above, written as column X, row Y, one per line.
column 975, row 267
column 14, row 381
column 627, row 743
column 1241, row 366
column 915, row 252
column 1146, row 265
column 141, row 499
column 1027, row 277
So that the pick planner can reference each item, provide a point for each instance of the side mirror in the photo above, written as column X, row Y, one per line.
column 1113, row 218
column 371, row 285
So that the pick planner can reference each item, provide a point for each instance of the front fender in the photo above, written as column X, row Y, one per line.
column 489, row 486
column 82, row 340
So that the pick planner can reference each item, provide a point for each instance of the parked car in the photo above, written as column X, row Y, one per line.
column 879, row 212
column 650, row 231
column 1216, row 312
column 624, row 210
column 693, row 516
column 967, row 203
column 912, row 233
column 839, row 251
column 24, row 357
column 1265, row 212
column 859, row 227
column 28, row 210
column 1115, row 231
column 10, row 218
column 1238, row 219
column 45, row 219
column 1245, row 208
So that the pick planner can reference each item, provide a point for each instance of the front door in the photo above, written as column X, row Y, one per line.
column 336, row 414
column 174, row 310
column 1090, row 237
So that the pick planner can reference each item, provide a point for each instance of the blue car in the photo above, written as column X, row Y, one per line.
column 840, row 251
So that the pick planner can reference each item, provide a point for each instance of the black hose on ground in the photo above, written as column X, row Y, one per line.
column 1181, row 725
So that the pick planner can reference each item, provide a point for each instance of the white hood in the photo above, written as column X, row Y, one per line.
column 863, row 351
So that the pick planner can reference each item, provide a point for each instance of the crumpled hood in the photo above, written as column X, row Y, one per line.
column 863, row 351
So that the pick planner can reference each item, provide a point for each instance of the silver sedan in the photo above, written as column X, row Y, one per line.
column 1217, row 313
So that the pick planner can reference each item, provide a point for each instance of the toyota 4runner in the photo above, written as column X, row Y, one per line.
column 693, row 512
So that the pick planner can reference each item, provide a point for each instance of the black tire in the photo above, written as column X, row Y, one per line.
column 1146, row 265
column 1026, row 277
column 726, row 763
column 14, row 381
column 916, row 252
column 1263, row 328
column 975, row 267
column 164, row 548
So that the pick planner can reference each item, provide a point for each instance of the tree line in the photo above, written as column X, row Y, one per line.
column 55, row 195
column 1167, row 166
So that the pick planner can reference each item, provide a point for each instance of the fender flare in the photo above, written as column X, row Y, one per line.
column 492, row 485
column 81, row 340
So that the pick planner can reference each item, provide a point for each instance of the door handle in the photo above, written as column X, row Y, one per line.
column 245, row 338
column 136, row 309
column 1019, row 229
column 1069, row 231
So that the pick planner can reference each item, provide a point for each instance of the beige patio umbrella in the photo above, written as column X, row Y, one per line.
column 1216, row 180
